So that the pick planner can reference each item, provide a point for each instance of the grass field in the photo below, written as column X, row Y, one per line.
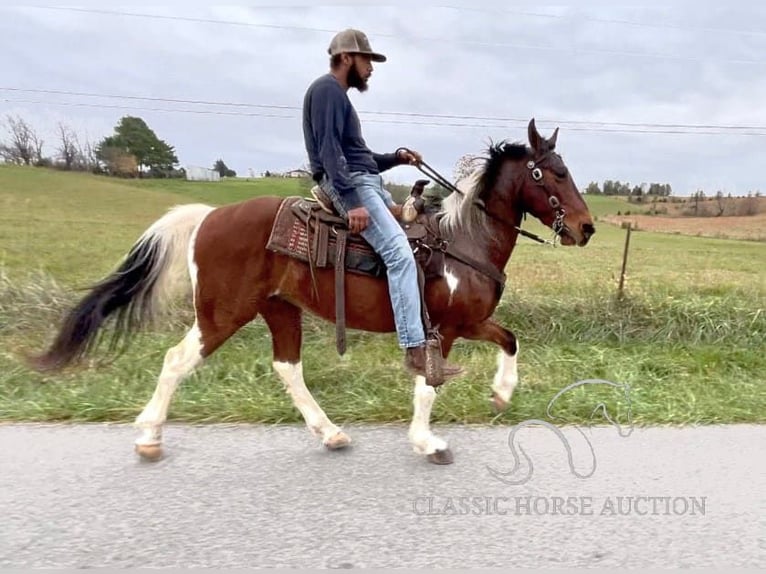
column 688, row 337
column 752, row 227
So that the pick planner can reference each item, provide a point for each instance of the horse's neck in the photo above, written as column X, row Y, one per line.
column 492, row 246
column 494, row 249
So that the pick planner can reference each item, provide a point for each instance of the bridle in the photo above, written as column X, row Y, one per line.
column 559, row 212
column 536, row 174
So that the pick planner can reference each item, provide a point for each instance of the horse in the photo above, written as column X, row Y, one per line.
column 235, row 278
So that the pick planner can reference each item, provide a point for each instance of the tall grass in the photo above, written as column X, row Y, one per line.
column 686, row 360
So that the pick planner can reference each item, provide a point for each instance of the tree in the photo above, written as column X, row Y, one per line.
column 133, row 137
column 69, row 150
column 223, row 170
column 24, row 147
column 593, row 189
column 721, row 202
column 625, row 189
column 697, row 195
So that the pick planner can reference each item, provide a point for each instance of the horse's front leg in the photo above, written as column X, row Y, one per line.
column 507, row 375
column 422, row 439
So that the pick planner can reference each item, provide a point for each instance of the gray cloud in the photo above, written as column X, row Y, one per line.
column 574, row 62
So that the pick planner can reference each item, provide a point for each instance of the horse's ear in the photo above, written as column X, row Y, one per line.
column 552, row 141
column 534, row 135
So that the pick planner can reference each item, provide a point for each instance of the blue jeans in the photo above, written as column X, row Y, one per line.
column 386, row 237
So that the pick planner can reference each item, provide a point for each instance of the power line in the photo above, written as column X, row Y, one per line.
column 604, row 124
column 384, row 121
column 453, row 40
column 181, row 18
column 140, row 108
column 656, row 25
column 147, row 98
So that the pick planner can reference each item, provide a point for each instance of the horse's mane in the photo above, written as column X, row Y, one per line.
column 459, row 214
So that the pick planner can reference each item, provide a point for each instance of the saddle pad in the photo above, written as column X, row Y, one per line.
column 290, row 236
column 301, row 238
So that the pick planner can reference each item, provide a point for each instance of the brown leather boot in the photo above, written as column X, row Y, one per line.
column 415, row 361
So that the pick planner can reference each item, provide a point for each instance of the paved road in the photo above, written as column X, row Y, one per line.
column 236, row 496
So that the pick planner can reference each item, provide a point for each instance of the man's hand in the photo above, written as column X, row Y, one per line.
column 358, row 219
column 396, row 211
column 409, row 156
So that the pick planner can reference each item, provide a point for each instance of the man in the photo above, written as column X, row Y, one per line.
column 349, row 175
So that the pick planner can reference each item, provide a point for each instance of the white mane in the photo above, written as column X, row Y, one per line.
column 459, row 212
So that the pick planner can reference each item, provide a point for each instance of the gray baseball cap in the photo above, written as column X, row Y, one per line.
column 353, row 42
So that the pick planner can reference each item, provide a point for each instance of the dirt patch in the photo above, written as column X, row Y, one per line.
column 752, row 228
column 717, row 206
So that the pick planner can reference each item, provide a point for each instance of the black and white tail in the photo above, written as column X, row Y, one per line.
column 133, row 294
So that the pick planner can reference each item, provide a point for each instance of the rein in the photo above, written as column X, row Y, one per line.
column 558, row 224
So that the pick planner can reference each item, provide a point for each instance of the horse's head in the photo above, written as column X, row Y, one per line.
column 516, row 179
column 548, row 191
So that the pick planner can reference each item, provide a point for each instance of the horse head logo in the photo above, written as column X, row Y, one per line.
column 515, row 476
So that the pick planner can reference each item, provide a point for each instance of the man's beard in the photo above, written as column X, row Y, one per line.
column 355, row 80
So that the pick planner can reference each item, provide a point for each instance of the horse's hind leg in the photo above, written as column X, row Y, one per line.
column 284, row 321
column 179, row 363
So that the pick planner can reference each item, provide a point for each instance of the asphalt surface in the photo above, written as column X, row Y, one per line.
column 244, row 496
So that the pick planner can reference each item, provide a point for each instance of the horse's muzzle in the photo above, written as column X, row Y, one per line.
column 578, row 236
column 587, row 230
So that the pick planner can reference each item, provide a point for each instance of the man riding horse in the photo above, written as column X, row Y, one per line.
column 348, row 173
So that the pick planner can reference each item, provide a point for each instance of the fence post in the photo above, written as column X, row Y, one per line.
column 624, row 262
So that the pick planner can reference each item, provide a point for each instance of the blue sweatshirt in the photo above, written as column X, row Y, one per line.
column 333, row 136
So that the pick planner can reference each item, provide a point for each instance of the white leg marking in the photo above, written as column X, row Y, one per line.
column 420, row 435
column 316, row 419
column 507, row 375
column 452, row 282
column 179, row 362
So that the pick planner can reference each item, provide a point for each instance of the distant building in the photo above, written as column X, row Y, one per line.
column 196, row 173
column 296, row 173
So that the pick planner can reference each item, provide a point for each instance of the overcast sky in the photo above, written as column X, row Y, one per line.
column 586, row 67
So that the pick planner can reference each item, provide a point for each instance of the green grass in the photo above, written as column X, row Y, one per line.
column 688, row 337
column 225, row 191
column 609, row 205
column 76, row 227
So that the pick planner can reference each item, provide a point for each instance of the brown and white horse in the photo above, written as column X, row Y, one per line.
column 235, row 279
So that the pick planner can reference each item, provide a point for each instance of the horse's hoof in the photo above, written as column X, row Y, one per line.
column 441, row 457
column 149, row 452
column 337, row 441
column 498, row 404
